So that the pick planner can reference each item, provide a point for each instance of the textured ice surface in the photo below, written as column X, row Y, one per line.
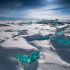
column 51, row 57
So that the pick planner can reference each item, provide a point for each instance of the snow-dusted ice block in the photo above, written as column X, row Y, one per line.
column 5, row 35
column 17, row 42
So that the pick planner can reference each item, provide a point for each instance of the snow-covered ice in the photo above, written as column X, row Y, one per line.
column 51, row 58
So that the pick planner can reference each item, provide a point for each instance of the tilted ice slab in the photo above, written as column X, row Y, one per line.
column 17, row 42
column 5, row 35
column 48, row 55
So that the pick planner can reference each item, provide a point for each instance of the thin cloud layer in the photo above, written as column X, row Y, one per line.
column 34, row 8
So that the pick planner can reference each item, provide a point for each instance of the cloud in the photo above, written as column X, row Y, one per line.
column 64, row 2
column 21, row 4
column 35, row 8
column 48, row 15
column 17, row 8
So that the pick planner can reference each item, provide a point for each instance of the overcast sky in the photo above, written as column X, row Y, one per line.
column 35, row 9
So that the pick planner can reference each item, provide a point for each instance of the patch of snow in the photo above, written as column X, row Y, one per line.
column 17, row 42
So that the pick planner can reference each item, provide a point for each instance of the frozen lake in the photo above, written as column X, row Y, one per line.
column 53, row 44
